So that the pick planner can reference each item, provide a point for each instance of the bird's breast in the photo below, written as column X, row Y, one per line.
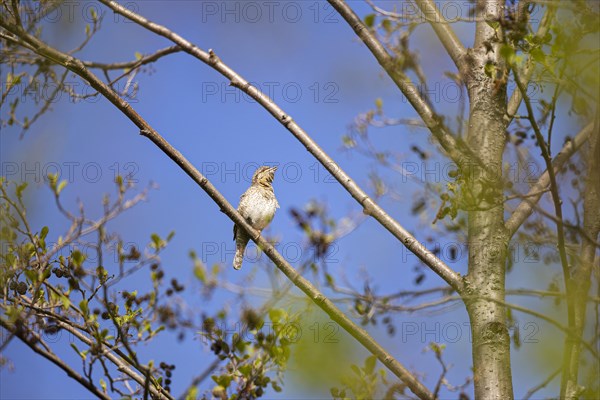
column 259, row 209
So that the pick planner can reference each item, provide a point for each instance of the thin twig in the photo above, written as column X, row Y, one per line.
column 526, row 207
column 555, row 197
column 542, row 384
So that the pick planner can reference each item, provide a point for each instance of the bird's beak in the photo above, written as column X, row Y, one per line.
column 274, row 168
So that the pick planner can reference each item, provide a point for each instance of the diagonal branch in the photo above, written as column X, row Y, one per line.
column 451, row 146
column 76, row 66
column 134, row 64
column 444, row 32
column 370, row 207
column 526, row 207
column 541, row 385
column 53, row 358
column 555, row 198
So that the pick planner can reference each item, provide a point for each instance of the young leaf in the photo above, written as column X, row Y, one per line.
column 370, row 364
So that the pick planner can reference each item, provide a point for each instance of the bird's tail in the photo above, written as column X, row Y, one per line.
column 239, row 258
column 241, row 241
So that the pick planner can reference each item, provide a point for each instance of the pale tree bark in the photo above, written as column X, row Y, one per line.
column 487, row 236
column 581, row 274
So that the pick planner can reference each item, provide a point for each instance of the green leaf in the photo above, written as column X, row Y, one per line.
column 508, row 53
column 387, row 25
column 52, row 180
column 329, row 279
column 81, row 354
column 490, row 70
column 192, row 394
column 28, row 249
column 245, row 370
column 31, row 275
column 44, row 232
column 66, row 303
column 61, row 186
column 538, row 55
column 200, row 272
column 77, row 258
column 45, row 274
column 348, row 141
column 370, row 364
column 20, row 189
column 156, row 241
column 224, row 380
column 493, row 24
column 83, row 304
column 370, row 20
column 277, row 314
column 276, row 387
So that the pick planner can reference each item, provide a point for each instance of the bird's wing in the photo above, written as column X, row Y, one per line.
column 240, row 206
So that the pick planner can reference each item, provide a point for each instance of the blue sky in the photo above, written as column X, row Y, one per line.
column 323, row 77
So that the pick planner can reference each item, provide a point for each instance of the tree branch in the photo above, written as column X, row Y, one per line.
column 565, row 329
column 134, row 64
column 117, row 361
column 541, row 385
column 370, row 207
column 581, row 276
column 53, row 358
column 526, row 207
column 198, row 379
column 444, row 32
column 450, row 145
column 146, row 130
column 559, row 218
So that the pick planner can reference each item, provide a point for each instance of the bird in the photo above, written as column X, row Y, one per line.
column 257, row 205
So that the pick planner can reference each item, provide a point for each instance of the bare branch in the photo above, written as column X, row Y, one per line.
column 541, row 385
column 526, row 207
column 444, row 32
column 134, row 64
column 53, row 358
column 546, row 318
column 200, row 378
column 121, row 365
column 557, row 209
column 451, row 146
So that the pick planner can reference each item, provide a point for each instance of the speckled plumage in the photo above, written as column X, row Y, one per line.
column 257, row 205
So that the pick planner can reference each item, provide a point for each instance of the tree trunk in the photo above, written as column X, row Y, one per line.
column 581, row 277
column 483, row 197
